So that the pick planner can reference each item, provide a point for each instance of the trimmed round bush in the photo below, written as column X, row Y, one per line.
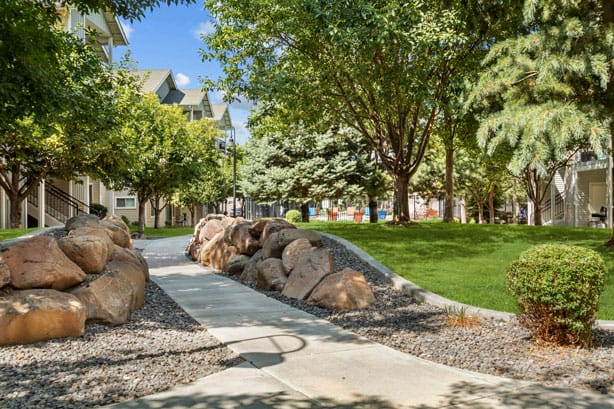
column 558, row 289
column 98, row 209
column 293, row 216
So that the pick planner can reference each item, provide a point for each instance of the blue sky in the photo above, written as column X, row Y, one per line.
column 168, row 38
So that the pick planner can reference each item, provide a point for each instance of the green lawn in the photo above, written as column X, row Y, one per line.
column 8, row 234
column 467, row 262
column 166, row 231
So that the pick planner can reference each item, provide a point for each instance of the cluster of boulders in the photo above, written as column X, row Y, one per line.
column 277, row 256
column 50, row 288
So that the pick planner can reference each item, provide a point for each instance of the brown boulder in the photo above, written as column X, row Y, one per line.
column 312, row 266
column 135, row 276
column 210, row 229
column 292, row 252
column 271, row 275
column 250, row 272
column 5, row 274
column 236, row 264
column 121, row 254
column 274, row 226
column 216, row 253
column 107, row 299
column 207, row 249
column 346, row 290
column 274, row 244
column 38, row 315
column 117, row 221
column 88, row 252
column 84, row 220
column 239, row 236
column 94, row 231
column 39, row 263
column 117, row 234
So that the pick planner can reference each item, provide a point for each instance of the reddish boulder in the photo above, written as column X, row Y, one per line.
column 312, row 266
column 38, row 315
column 346, row 290
column 292, row 252
column 236, row 264
column 117, row 234
column 240, row 237
column 5, row 274
column 211, row 228
column 275, row 243
column 39, row 263
column 84, row 220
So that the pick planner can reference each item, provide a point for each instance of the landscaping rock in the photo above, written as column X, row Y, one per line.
column 133, row 273
column 346, row 290
column 312, row 266
column 84, row 220
column 207, row 249
column 250, row 272
column 117, row 234
column 236, row 264
column 275, row 243
column 121, row 254
column 270, row 227
column 94, row 231
column 117, row 221
column 292, row 253
column 87, row 251
column 239, row 236
column 107, row 299
column 38, row 315
column 210, row 229
column 271, row 275
column 39, row 263
column 5, row 274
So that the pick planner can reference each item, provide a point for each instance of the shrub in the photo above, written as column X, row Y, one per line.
column 126, row 220
column 98, row 209
column 558, row 289
column 293, row 216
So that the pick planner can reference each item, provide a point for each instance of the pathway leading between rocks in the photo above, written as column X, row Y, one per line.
column 295, row 360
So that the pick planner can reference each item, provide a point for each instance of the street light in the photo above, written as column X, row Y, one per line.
column 234, row 171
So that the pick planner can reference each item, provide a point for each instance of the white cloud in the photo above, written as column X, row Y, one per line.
column 128, row 29
column 182, row 79
column 203, row 28
column 241, row 132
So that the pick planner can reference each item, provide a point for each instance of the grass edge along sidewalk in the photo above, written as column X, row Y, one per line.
column 467, row 263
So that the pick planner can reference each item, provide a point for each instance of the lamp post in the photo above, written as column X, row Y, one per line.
column 234, row 171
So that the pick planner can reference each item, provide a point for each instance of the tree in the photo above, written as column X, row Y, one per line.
column 379, row 67
column 59, row 104
column 301, row 165
column 550, row 91
column 160, row 152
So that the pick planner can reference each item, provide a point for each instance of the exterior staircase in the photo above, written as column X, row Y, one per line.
column 59, row 206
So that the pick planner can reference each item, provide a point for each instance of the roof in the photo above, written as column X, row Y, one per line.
column 222, row 116
column 153, row 79
column 117, row 31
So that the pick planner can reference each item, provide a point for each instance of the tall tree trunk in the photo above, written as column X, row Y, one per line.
column 463, row 209
column 373, row 216
column 156, row 205
column 305, row 212
column 480, row 211
column 537, row 213
column 401, row 199
column 192, row 214
column 15, row 209
column 491, row 204
column 142, row 200
column 448, row 212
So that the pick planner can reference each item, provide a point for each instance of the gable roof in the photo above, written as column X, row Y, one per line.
column 153, row 79
column 222, row 116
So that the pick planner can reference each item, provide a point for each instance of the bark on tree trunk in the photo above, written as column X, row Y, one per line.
column 142, row 201
column 15, row 210
column 192, row 214
column 481, row 212
column 491, row 205
column 463, row 209
column 373, row 216
column 448, row 212
column 156, row 204
column 305, row 212
column 401, row 199
column 537, row 213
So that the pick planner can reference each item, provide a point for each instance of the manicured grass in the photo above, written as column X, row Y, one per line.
column 467, row 262
column 165, row 231
column 7, row 234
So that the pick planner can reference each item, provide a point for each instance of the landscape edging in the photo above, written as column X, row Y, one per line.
column 424, row 296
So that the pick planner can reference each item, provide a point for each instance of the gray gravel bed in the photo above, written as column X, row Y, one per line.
column 161, row 346
column 492, row 347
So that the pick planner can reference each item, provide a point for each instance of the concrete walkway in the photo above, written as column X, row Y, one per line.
column 295, row 360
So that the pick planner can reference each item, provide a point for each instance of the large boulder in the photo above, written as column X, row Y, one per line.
column 217, row 252
column 271, row 275
column 5, row 274
column 117, row 221
column 84, row 220
column 134, row 274
column 293, row 251
column 107, row 299
column 207, row 249
column 274, row 244
column 133, row 256
column 119, row 235
column 94, row 231
column 239, row 236
column 250, row 272
column 236, row 264
column 38, row 315
column 261, row 229
column 346, row 290
column 87, row 251
column 210, row 229
column 312, row 266
column 39, row 263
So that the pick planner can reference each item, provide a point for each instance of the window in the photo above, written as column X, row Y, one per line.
column 125, row 203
